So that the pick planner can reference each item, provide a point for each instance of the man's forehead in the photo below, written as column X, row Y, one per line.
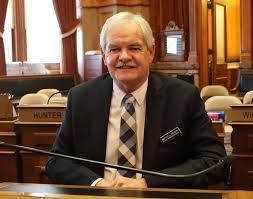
column 130, row 40
column 136, row 43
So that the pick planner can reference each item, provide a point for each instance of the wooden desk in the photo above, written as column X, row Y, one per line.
column 8, row 157
column 39, row 135
column 7, row 126
column 18, row 190
column 242, row 167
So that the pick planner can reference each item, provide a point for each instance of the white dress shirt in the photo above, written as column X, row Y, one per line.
column 113, row 129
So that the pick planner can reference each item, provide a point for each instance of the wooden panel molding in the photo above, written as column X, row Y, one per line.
column 101, row 3
column 246, row 33
column 193, row 33
column 20, row 49
column 202, row 44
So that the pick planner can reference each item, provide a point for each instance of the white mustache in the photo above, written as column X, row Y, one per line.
column 129, row 64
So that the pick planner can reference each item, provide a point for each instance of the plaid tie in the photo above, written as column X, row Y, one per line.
column 127, row 146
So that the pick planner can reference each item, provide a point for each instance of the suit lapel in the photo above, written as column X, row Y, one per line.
column 103, row 108
column 152, row 121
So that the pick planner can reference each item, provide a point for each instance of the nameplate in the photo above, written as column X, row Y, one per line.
column 240, row 113
column 42, row 113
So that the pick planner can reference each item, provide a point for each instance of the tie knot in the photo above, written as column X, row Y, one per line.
column 128, row 99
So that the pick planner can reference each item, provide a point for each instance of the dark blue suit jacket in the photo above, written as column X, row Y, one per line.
column 178, row 136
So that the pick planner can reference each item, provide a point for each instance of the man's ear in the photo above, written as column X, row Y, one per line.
column 151, row 51
column 103, row 57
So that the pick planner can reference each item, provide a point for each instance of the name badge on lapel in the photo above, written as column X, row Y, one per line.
column 170, row 135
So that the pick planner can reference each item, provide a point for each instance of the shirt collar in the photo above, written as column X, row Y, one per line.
column 138, row 94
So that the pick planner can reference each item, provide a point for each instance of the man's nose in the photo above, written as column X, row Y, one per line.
column 124, row 55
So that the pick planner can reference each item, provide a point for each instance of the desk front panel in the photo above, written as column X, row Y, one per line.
column 36, row 135
column 8, row 166
column 8, row 137
column 8, row 159
column 33, row 167
column 242, row 167
column 242, row 172
column 242, row 138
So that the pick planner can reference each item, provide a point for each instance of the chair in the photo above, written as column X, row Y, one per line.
column 213, row 90
column 248, row 98
column 58, row 100
column 223, row 103
column 33, row 98
column 49, row 92
column 244, row 82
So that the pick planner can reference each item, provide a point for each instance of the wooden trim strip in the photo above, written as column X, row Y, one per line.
column 96, row 3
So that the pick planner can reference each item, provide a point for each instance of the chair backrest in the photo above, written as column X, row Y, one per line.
column 49, row 92
column 221, row 103
column 244, row 82
column 213, row 90
column 58, row 100
column 33, row 98
column 248, row 98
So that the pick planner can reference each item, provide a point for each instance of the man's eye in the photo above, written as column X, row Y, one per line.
column 113, row 50
column 135, row 49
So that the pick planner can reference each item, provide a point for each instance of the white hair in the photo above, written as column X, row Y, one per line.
column 124, row 17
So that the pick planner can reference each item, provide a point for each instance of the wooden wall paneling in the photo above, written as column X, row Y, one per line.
column 246, row 55
column 94, row 66
column 3, row 13
column 220, row 32
column 100, row 10
column 232, row 77
column 104, row 14
column 102, row 3
column 20, row 48
column 156, row 25
column 90, row 25
column 193, row 33
column 202, row 42
column 219, row 66
column 233, row 31
column 221, row 75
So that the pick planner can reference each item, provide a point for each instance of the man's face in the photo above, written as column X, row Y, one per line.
column 127, row 56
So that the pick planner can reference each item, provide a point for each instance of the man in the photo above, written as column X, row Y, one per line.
column 167, row 129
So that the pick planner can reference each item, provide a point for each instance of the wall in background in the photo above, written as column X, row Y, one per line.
column 233, row 30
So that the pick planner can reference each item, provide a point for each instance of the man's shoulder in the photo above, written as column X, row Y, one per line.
column 93, row 84
column 172, row 89
column 167, row 81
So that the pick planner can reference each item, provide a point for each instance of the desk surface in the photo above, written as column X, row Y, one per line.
column 22, row 191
